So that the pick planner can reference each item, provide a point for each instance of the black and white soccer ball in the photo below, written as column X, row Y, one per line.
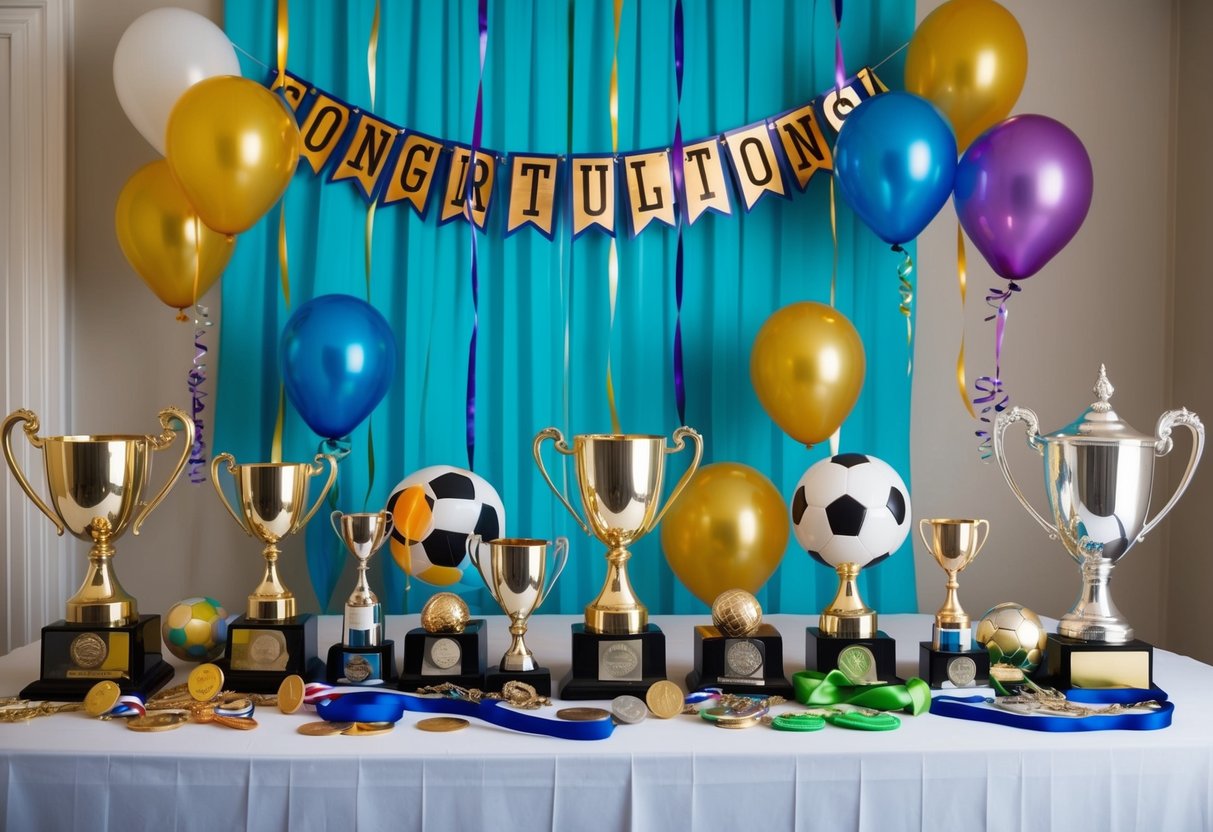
column 434, row 510
column 851, row 508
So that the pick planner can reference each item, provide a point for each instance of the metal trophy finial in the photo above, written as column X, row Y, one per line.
column 1104, row 390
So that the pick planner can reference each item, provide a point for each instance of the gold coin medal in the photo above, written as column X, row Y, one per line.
column 101, row 698
column 290, row 694
column 323, row 728
column 582, row 714
column 443, row 724
column 159, row 721
column 369, row 729
column 205, row 682
column 664, row 699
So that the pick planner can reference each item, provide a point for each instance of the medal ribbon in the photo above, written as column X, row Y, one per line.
column 981, row 709
column 834, row 688
column 613, row 252
column 680, row 393
column 482, row 20
column 992, row 396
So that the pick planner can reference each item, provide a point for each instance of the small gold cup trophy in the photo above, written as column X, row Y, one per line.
column 364, row 656
column 515, row 571
column 617, row 650
column 270, row 641
column 96, row 486
column 949, row 658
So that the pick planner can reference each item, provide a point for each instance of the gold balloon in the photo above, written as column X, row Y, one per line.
column 727, row 530
column 164, row 239
column 970, row 58
column 807, row 367
column 233, row 145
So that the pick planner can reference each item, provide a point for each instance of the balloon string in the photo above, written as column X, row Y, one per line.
column 280, row 419
column 197, row 378
column 612, row 252
column 834, row 240
column 962, row 278
column 680, row 393
column 993, row 398
column 906, row 289
column 482, row 17
column 279, row 423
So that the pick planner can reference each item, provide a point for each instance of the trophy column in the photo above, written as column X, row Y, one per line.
column 364, row 656
column 449, row 646
column 738, row 653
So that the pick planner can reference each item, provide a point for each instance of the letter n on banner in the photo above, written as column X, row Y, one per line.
column 703, row 180
column 454, row 200
column 322, row 130
column 755, row 165
column 804, row 145
column 414, row 173
column 532, row 193
column 592, row 185
column 366, row 154
column 650, row 189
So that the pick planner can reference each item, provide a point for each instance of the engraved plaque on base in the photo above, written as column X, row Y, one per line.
column 750, row 664
column 362, row 665
column 879, row 652
column 953, row 668
column 1073, row 663
column 606, row 666
column 260, row 654
column 75, row 657
column 431, row 658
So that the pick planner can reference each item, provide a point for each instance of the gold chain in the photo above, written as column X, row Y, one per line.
column 519, row 694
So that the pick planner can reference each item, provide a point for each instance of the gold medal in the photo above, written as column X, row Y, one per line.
column 290, row 694
column 443, row 724
column 582, row 714
column 742, row 722
column 664, row 699
column 369, row 729
column 101, row 698
column 205, row 682
column 324, row 729
column 160, row 721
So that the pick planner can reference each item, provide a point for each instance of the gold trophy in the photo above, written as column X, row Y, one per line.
column 96, row 484
column 364, row 656
column 949, row 655
column 515, row 571
column 270, row 642
column 616, row 650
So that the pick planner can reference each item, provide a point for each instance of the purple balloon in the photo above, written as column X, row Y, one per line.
column 1022, row 192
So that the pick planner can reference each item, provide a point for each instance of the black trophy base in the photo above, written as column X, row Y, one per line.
column 958, row 669
column 821, row 652
column 606, row 666
column 433, row 658
column 751, row 664
column 362, row 665
column 1071, row 663
column 77, row 656
column 260, row 654
column 540, row 679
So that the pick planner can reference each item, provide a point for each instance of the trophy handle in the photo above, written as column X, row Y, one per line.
column 560, row 557
column 1004, row 421
column 923, row 522
column 31, row 433
column 1162, row 447
column 388, row 523
column 681, row 433
column 231, row 469
column 563, row 448
column 333, row 521
column 161, row 442
column 984, row 525
column 471, row 545
column 313, row 470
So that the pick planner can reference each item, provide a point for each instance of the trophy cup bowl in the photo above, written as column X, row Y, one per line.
column 953, row 544
column 515, row 571
column 1098, row 480
column 96, row 485
column 272, row 497
column 619, row 477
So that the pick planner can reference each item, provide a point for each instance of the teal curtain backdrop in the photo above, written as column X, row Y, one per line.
column 546, row 85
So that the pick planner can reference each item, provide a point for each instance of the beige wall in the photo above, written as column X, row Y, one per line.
column 1101, row 66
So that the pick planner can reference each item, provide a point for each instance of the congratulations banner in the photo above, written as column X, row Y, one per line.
column 390, row 164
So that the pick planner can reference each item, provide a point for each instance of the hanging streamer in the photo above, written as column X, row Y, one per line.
column 840, row 72
column 482, row 15
column 993, row 398
column 613, row 253
column 962, row 278
column 840, row 80
column 283, row 40
column 905, row 288
column 680, row 393
column 195, row 382
column 372, row 52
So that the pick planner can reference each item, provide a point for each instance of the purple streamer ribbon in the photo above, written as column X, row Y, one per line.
column 680, row 393
column 482, row 16
column 993, row 398
column 840, row 73
column 194, row 381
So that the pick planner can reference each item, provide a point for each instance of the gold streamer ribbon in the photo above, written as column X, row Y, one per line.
column 613, row 253
column 962, row 278
column 836, row 436
column 372, row 59
column 283, row 41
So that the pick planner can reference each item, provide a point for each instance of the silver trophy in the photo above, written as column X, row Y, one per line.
column 1098, row 477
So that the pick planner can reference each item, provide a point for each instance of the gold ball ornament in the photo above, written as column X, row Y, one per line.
column 445, row 612
column 1013, row 635
column 736, row 613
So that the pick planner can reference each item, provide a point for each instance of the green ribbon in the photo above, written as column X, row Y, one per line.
column 834, row 688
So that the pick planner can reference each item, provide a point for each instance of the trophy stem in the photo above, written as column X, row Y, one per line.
column 518, row 657
column 1095, row 616
column 101, row 600
column 951, row 612
column 616, row 610
column 847, row 616
column 271, row 601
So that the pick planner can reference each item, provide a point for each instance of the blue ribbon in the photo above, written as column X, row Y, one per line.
column 974, row 708
column 383, row 706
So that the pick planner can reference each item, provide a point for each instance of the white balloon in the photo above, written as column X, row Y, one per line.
column 160, row 56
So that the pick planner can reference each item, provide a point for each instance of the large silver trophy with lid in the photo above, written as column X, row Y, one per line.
column 1098, row 478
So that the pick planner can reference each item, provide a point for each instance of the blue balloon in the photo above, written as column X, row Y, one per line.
column 337, row 355
column 895, row 160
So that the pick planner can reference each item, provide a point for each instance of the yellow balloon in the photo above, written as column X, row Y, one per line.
column 233, row 145
column 727, row 530
column 165, row 240
column 970, row 58
column 807, row 367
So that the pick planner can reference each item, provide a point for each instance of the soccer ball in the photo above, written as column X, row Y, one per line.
column 851, row 508
column 1013, row 635
column 433, row 512
column 195, row 630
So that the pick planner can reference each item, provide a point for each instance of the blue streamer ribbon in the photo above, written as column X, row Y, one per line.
column 993, row 398
column 680, row 393
column 979, row 709
column 482, row 20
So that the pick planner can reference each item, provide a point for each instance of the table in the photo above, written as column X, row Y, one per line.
column 71, row 772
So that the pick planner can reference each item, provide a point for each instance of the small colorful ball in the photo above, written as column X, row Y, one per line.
column 445, row 612
column 195, row 630
column 736, row 613
column 1013, row 635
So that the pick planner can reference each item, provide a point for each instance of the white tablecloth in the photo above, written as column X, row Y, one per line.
column 72, row 772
